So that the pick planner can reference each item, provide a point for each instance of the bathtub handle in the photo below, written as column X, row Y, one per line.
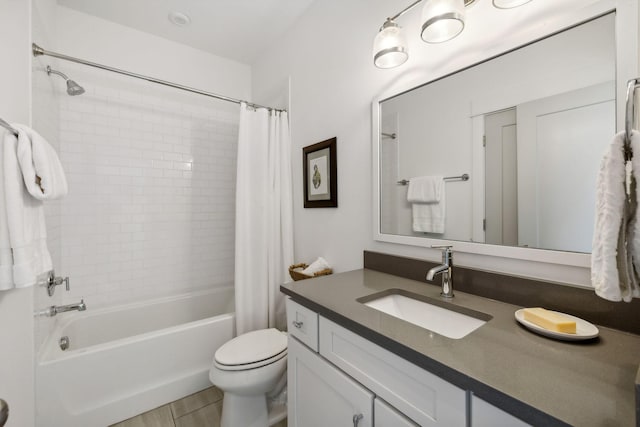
column 53, row 281
column 297, row 324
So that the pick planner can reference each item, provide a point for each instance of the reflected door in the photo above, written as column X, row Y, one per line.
column 556, row 192
column 501, row 200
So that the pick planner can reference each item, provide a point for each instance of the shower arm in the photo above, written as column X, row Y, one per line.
column 39, row 51
column 50, row 71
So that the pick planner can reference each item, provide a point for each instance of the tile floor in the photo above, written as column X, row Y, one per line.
column 201, row 409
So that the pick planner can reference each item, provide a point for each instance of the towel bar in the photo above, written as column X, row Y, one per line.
column 463, row 177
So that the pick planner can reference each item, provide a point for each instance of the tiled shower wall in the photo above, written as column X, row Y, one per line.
column 151, row 172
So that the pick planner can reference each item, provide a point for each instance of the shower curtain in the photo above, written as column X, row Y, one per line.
column 264, row 218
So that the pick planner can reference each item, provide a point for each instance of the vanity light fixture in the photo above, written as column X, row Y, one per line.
column 442, row 20
column 390, row 46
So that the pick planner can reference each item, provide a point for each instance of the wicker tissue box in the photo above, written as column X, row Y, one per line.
column 295, row 271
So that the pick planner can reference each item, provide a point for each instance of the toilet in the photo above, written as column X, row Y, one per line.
column 247, row 369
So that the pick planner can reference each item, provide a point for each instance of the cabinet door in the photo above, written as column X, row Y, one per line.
column 484, row 414
column 320, row 395
column 421, row 395
column 386, row 416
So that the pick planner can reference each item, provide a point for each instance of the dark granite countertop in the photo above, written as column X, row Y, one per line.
column 538, row 379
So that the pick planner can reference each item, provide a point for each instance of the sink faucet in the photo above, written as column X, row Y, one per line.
column 446, row 270
column 55, row 309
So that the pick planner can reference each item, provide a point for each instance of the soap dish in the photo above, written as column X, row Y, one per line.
column 584, row 329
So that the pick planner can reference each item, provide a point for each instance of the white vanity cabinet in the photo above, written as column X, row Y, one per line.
column 386, row 416
column 484, row 414
column 320, row 395
column 355, row 382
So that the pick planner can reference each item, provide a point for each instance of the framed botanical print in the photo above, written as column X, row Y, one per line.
column 320, row 171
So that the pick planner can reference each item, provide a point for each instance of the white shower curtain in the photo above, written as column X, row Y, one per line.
column 264, row 218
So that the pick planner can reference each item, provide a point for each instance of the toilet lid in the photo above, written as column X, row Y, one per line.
column 252, row 349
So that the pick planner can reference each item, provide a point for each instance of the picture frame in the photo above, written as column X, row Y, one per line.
column 320, row 174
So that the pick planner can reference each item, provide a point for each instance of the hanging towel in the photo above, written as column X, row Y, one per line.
column 41, row 169
column 633, row 234
column 427, row 196
column 23, row 250
column 425, row 189
column 609, row 251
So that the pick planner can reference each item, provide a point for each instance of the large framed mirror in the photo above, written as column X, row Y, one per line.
column 517, row 141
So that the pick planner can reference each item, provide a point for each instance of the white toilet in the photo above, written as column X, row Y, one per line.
column 246, row 369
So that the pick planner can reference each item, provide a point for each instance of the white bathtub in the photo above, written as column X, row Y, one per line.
column 126, row 360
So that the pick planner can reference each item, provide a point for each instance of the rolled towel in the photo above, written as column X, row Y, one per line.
column 41, row 169
column 316, row 266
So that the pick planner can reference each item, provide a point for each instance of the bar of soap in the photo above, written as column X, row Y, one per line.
column 550, row 320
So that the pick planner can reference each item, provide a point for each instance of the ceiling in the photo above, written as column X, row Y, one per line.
column 234, row 29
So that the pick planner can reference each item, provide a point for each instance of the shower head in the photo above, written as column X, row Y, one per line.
column 73, row 88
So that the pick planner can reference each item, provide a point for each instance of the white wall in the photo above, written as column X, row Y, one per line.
column 327, row 55
column 16, row 306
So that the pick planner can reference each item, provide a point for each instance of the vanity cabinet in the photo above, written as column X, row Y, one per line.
column 351, row 376
column 387, row 416
column 302, row 324
column 320, row 395
column 484, row 414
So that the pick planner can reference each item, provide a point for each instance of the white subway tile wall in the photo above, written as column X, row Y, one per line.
column 150, row 210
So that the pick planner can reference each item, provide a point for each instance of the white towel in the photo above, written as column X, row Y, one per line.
column 633, row 238
column 40, row 166
column 427, row 195
column 317, row 265
column 425, row 189
column 610, row 204
column 23, row 251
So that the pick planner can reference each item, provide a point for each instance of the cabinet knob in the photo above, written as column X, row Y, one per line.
column 297, row 324
column 356, row 419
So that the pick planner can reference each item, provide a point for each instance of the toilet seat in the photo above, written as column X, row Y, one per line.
column 252, row 350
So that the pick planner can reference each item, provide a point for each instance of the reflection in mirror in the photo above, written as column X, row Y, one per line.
column 529, row 127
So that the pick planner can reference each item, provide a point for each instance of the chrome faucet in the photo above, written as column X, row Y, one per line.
column 446, row 270
column 55, row 309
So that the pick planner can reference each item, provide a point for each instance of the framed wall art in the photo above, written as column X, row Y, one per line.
column 320, row 175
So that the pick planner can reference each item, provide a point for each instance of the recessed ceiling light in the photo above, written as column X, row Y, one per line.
column 180, row 19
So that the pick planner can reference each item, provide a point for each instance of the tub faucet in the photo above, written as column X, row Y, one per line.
column 446, row 270
column 55, row 309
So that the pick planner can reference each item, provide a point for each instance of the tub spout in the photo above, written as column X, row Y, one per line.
column 55, row 309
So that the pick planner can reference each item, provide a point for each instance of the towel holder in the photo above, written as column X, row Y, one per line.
column 8, row 127
column 463, row 177
column 629, row 116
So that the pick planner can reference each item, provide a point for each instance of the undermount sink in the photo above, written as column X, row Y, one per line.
column 440, row 317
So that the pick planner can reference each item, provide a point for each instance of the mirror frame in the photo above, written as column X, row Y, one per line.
column 626, row 35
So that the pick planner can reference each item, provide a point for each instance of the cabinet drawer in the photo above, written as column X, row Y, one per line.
column 302, row 323
column 483, row 414
column 422, row 396
column 386, row 416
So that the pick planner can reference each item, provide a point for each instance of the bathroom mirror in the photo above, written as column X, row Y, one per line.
column 528, row 127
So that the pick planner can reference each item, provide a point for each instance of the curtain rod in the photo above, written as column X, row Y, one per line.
column 38, row 51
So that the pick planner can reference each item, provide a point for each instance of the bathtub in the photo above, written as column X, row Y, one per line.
column 126, row 360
